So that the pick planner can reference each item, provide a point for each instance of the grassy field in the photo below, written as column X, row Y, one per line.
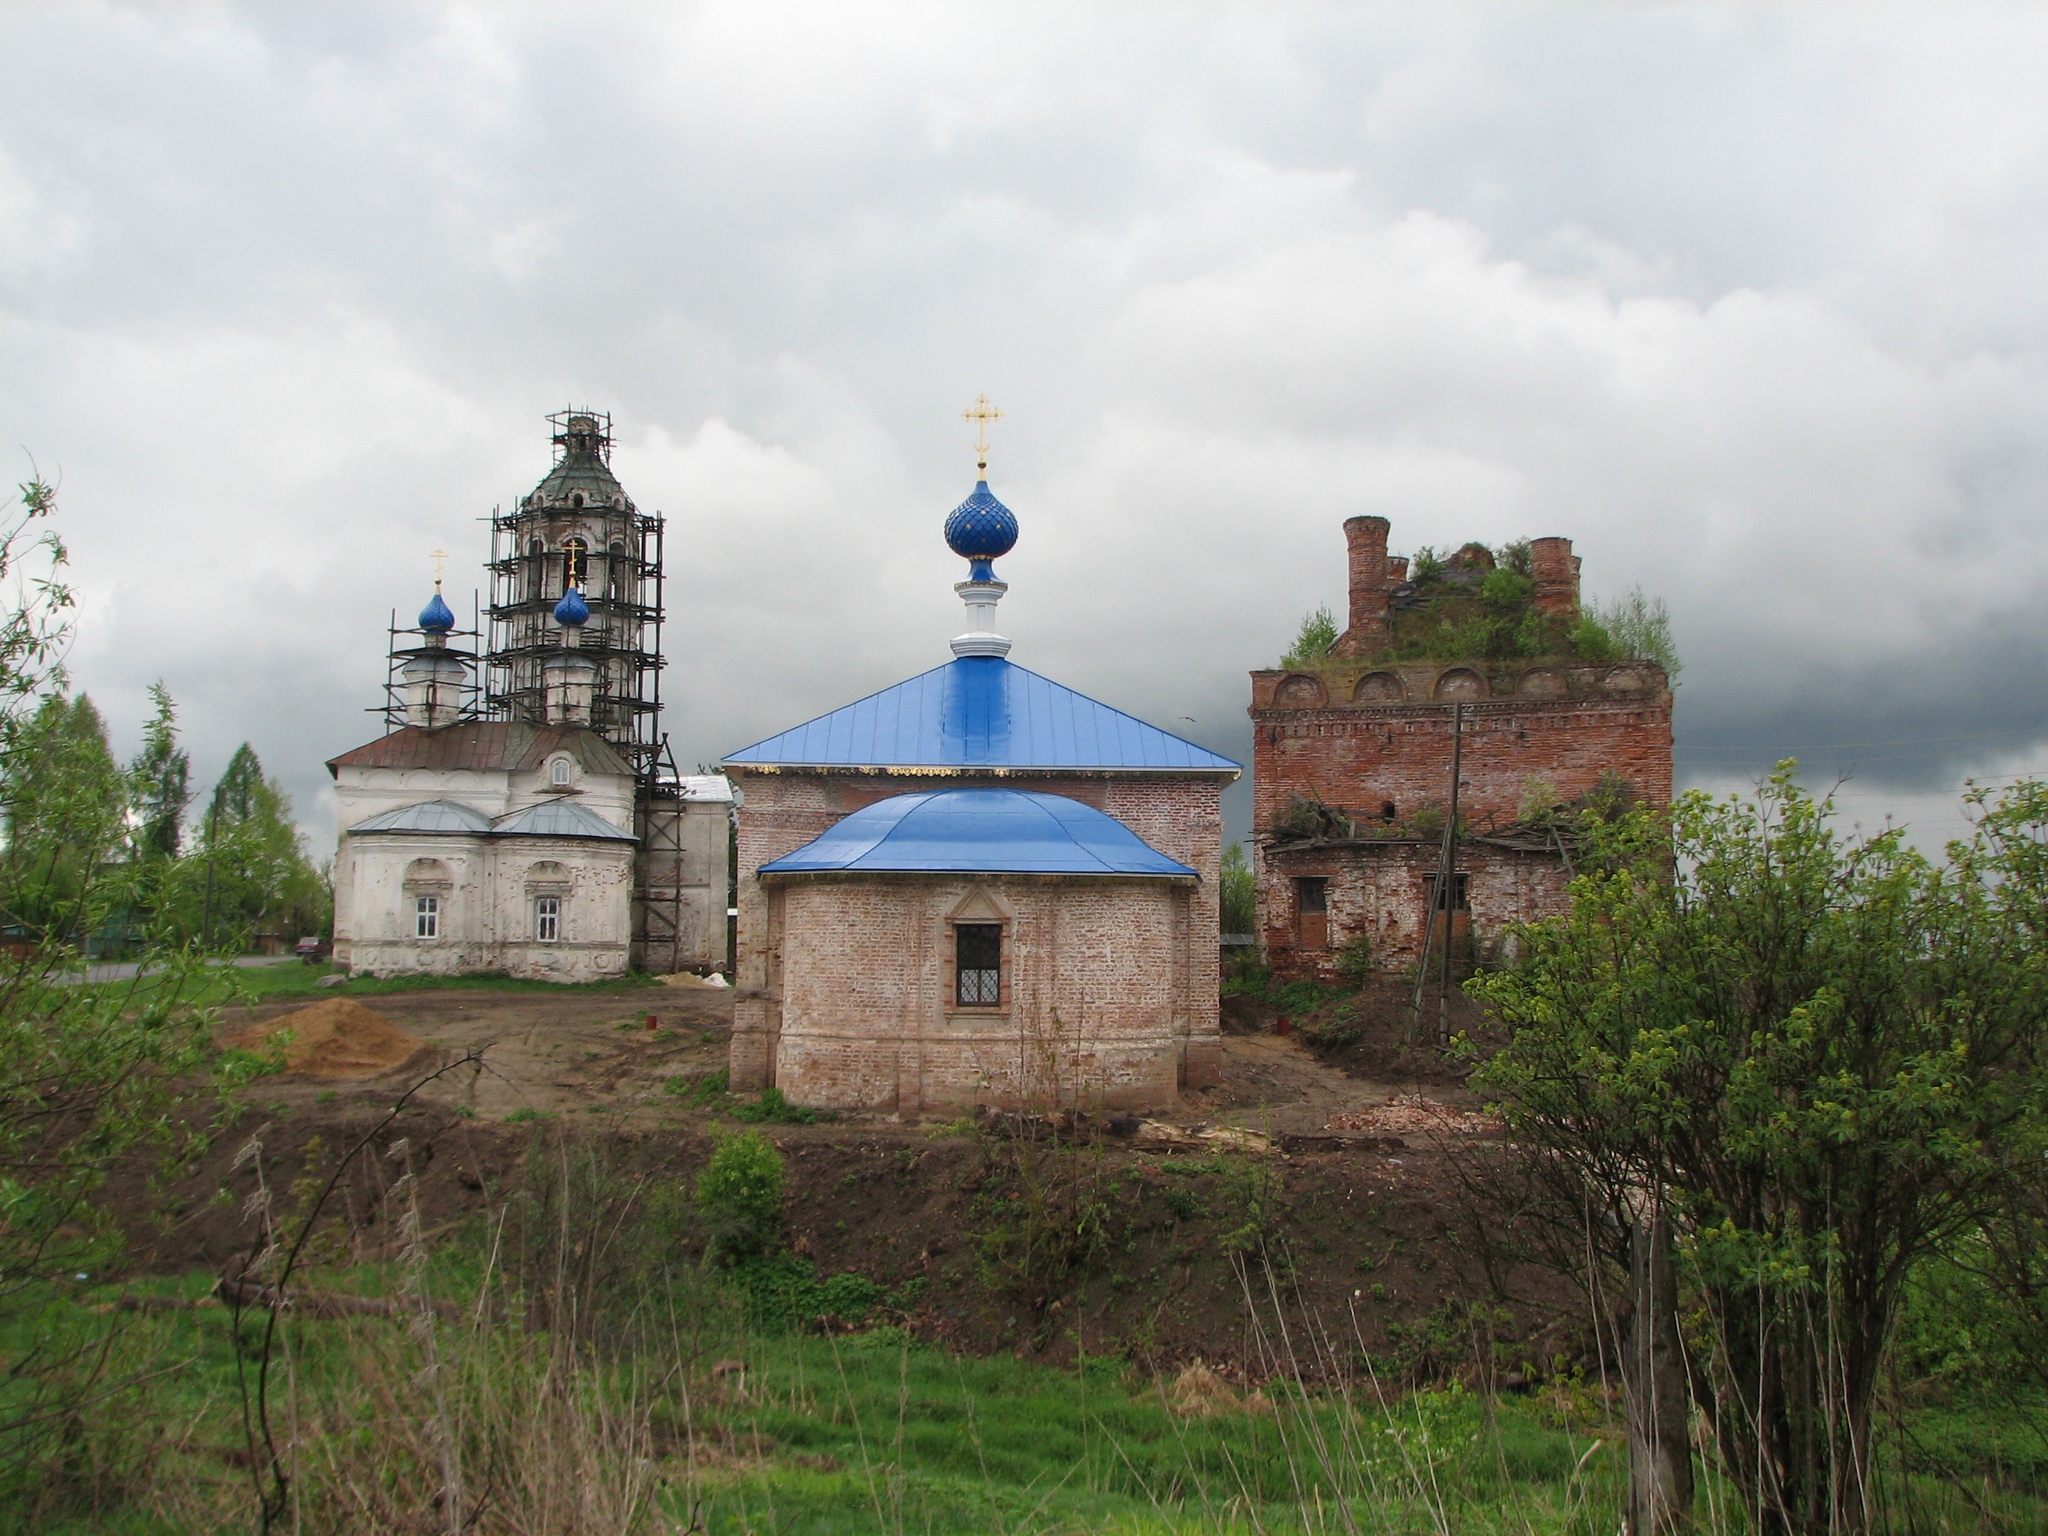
column 553, row 1411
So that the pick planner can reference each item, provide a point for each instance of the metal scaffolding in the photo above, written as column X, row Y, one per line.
column 578, row 526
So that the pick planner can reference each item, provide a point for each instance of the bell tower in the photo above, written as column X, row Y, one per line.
column 575, row 639
column 578, row 529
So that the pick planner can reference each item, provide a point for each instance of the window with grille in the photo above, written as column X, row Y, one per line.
column 547, row 919
column 426, row 917
column 1460, row 886
column 978, row 961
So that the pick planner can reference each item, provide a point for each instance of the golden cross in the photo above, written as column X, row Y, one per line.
column 981, row 413
column 439, row 556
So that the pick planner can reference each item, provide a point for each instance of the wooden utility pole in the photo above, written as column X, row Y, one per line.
column 1447, row 860
column 1447, row 884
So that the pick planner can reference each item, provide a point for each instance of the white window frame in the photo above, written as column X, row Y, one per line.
column 547, row 919
column 559, row 773
column 426, row 917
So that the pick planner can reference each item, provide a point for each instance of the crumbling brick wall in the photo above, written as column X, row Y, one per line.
column 1371, row 740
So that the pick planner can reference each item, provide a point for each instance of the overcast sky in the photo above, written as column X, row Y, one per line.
column 1749, row 302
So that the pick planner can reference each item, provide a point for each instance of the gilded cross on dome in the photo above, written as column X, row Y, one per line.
column 981, row 413
column 439, row 556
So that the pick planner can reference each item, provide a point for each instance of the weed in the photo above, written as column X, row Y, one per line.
column 526, row 1114
column 699, row 1092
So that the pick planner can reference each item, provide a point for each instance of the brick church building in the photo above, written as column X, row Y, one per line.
column 977, row 886
column 1472, row 656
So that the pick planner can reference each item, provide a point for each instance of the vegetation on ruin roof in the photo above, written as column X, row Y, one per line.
column 1479, row 604
column 1544, row 819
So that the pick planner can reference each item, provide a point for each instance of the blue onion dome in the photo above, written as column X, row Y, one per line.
column 572, row 612
column 980, row 529
column 437, row 618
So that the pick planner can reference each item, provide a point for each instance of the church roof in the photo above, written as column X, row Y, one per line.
column 559, row 818
column 980, row 712
column 505, row 746
column 550, row 818
column 979, row 831
column 581, row 467
column 427, row 816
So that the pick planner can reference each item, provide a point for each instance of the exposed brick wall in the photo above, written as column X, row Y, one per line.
column 1094, row 988
column 839, row 1002
column 1360, row 758
column 1379, row 891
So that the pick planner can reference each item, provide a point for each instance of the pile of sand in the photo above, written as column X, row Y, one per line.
column 714, row 981
column 1408, row 1113
column 337, row 1038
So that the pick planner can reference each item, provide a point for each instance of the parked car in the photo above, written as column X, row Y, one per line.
column 312, row 949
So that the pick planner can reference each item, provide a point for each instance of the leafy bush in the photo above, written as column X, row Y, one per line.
column 773, row 1109
column 1505, row 591
column 1317, row 638
column 740, row 1193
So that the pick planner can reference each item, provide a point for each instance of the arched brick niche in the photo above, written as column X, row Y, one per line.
column 1460, row 683
column 1624, row 680
column 1300, row 691
column 1379, row 688
column 1542, row 683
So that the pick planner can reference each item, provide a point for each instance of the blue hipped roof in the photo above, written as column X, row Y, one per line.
column 979, row 712
column 979, row 831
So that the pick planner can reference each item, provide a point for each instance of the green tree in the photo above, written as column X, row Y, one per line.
column 160, row 783
column 249, row 872
column 1812, row 1062
column 88, row 1075
column 64, row 804
column 1238, row 892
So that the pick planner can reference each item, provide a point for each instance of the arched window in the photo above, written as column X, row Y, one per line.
column 558, row 773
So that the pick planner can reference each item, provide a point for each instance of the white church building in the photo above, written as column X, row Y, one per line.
column 528, row 827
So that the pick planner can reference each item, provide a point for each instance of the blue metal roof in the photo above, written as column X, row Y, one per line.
column 427, row 816
column 979, row 831
column 560, row 818
column 979, row 712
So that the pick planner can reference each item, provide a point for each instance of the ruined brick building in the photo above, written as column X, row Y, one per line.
column 1351, row 765
column 977, row 886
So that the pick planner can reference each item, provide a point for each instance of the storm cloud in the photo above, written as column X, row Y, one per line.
column 1746, row 301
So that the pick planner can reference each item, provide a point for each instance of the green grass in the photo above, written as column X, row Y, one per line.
column 872, row 1432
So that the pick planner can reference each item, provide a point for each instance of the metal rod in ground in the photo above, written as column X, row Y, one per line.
column 1449, row 883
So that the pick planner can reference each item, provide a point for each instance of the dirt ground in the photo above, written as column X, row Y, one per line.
column 585, row 1054
column 1377, row 1217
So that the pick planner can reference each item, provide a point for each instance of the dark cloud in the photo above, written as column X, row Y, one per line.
column 1746, row 301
